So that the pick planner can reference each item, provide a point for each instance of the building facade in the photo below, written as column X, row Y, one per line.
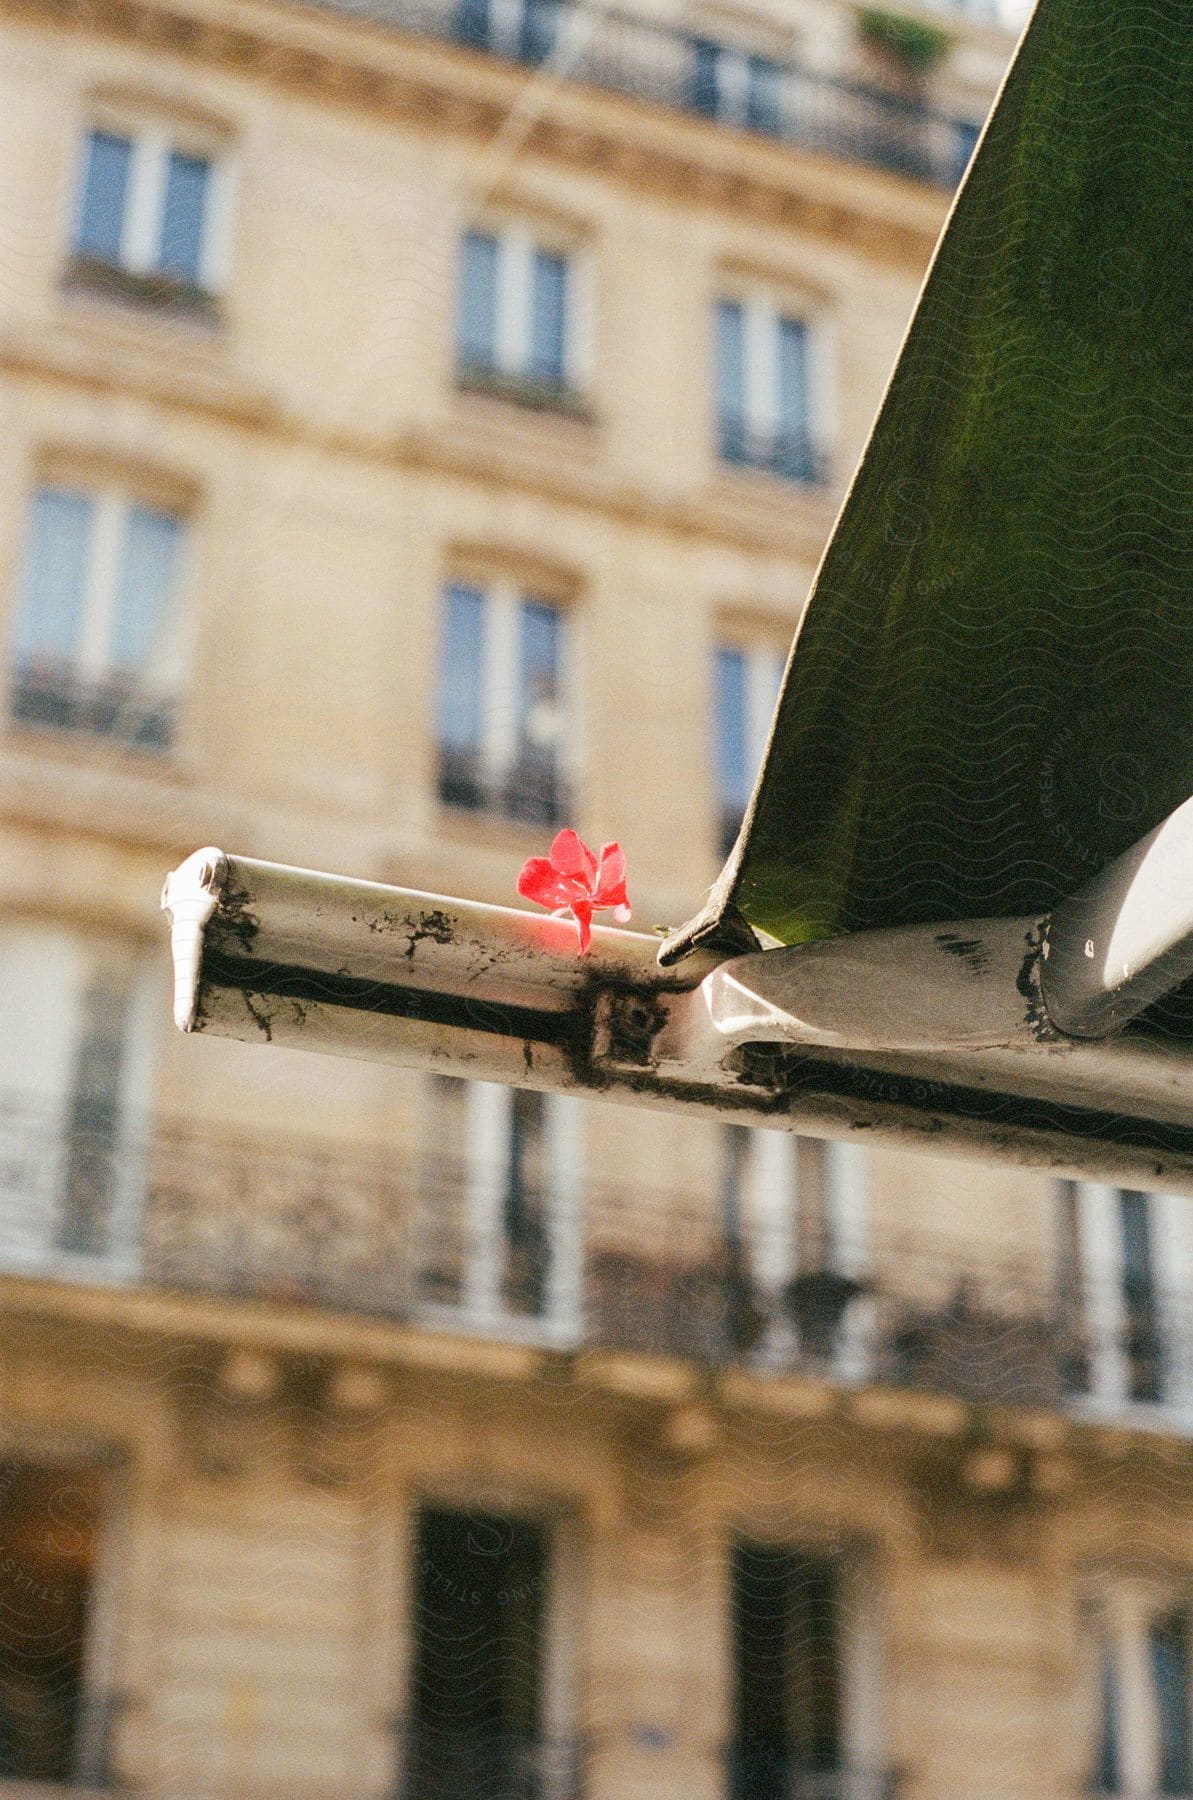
column 423, row 421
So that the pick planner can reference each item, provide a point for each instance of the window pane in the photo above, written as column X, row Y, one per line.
column 794, row 447
column 965, row 140
column 92, row 1149
column 534, row 789
column 793, row 374
column 461, row 693
column 473, row 22
column 524, row 1208
column 462, row 668
column 705, row 83
column 786, row 1722
column 540, row 26
column 105, row 193
column 764, row 94
column 1108, row 1748
column 731, row 378
column 181, row 250
column 49, row 619
column 148, row 570
column 735, row 1141
column 733, row 770
column 478, row 301
column 548, row 346
column 1168, row 1643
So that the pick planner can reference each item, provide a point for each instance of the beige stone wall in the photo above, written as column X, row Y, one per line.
column 260, row 1577
column 261, row 1569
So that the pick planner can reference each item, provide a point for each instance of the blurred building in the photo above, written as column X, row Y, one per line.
column 422, row 421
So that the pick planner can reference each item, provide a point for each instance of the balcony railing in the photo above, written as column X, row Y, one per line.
column 776, row 99
column 531, row 789
column 118, row 706
column 791, row 455
column 632, row 1270
column 485, row 1762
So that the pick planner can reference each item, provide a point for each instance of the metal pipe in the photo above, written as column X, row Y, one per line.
column 933, row 1036
column 1126, row 938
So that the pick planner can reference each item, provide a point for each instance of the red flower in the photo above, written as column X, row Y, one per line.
column 573, row 880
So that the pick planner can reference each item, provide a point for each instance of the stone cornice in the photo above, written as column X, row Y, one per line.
column 435, row 86
column 753, row 514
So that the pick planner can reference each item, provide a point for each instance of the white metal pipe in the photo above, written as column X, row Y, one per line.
column 933, row 1037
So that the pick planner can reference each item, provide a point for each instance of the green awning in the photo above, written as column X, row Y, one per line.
column 990, row 694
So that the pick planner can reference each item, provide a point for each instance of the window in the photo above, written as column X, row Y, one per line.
column 795, row 1217
column 527, row 30
column 499, row 1232
column 491, row 1707
column 763, row 390
column 502, row 703
column 52, row 1705
column 1125, row 1262
column 965, row 138
column 805, row 1675
column 152, row 208
column 518, row 325
column 1136, row 1648
column 740, row 89
column 96, row 632
column 746, row 683
column 76, row 1036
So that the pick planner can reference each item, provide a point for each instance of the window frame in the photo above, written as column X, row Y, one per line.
column 1095, row 1301
column 726, row 86
column 764, row 663
column 156, row 684
column 779, row 1241
column 1118, row 1615
column 510, row 369
column 481, row 1176
column 765, row 310
column 136, row 272
column 504, row 600
column 45, row 1112
column 861, row 1629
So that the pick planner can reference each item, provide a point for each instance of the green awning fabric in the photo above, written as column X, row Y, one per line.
column 991, row 691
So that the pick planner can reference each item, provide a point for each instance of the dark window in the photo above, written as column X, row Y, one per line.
column 965, row 139
column 478, row 301
column 1108, row 1738
column 474, row 23
column 476, row 1716
column 48, row 1528
column 706, row 92
column 735, row 768
column 539, row 29
column 787, row 1676
column 167, row 191
column 1144, row 1345
column 1168, row 1643
column 766, row 84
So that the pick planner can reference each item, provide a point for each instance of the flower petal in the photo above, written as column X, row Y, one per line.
column 571, row 856
column 610, row 886
column 582, row 911
column 540, row 881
